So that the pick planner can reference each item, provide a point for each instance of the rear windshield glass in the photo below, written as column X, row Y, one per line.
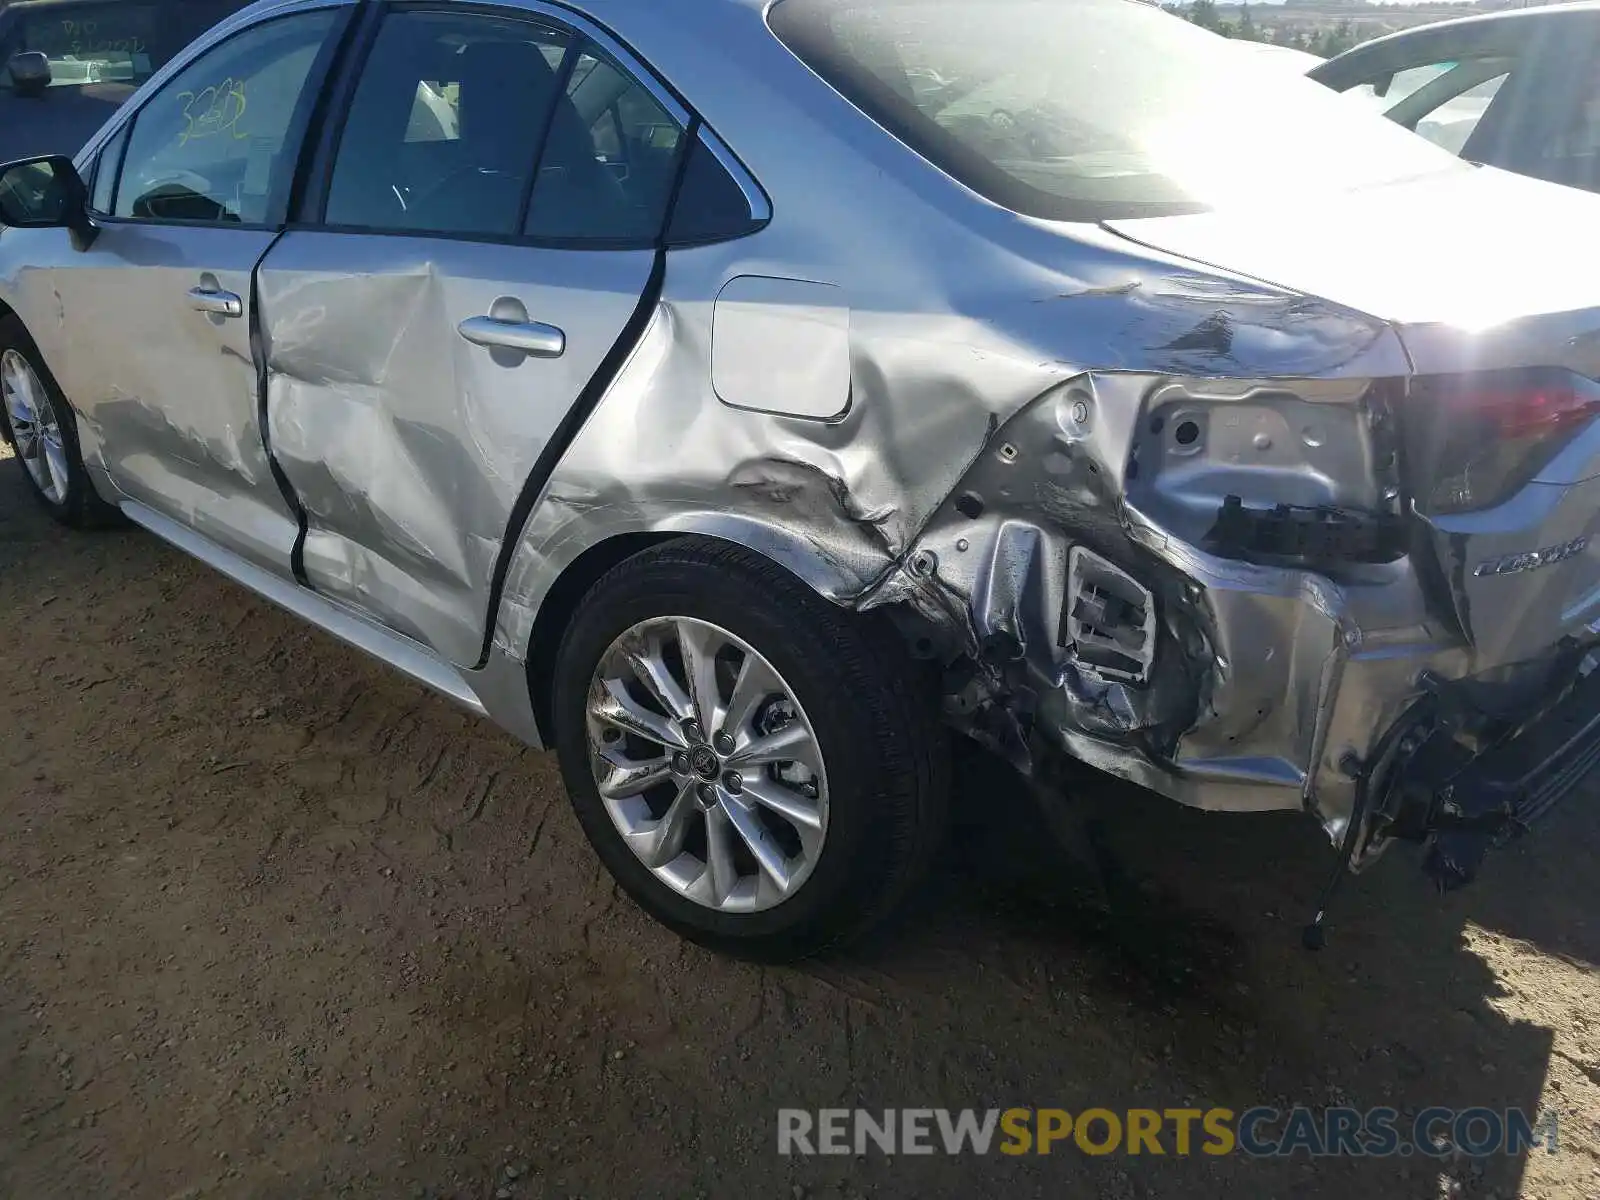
column 1094, row 109
column 120, row 41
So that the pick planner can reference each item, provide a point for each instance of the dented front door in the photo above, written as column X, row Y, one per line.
column 166, row 383
column 170, row 392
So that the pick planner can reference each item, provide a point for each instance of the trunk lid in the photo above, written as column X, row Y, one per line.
column 1472, row 249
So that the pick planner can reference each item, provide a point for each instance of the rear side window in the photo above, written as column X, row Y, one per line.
column 470, row 125
column 711, row 206
column 1094, row 109
column 446, row 123
column 609, row 165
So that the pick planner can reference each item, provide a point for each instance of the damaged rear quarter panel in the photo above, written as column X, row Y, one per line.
column 972, row 390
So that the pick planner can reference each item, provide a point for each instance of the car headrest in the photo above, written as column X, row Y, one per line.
column 499, row 82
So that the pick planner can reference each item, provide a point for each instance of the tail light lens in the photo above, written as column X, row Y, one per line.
column 1473, row 441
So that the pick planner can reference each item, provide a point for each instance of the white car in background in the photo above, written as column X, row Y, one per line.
column 1515, row 90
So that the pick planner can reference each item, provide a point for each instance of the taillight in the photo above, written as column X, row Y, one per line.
column 1473, row 441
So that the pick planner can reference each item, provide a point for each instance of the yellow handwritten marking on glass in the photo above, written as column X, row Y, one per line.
column 213, row 110
column 82, row 40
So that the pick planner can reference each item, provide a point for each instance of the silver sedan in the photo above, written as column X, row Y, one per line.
column 736, row 397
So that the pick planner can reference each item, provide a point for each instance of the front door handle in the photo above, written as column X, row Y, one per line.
column 533, row 338
column 219, row 303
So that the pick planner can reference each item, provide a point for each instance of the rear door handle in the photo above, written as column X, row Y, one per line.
column 533, row 338
column 222, row 304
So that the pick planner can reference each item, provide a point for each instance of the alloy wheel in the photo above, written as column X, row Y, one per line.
column 34, row 426
column 707, row 764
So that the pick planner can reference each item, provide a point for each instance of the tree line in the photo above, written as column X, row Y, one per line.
column 1324, row 41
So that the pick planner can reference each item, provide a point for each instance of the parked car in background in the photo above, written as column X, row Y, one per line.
column 65, row 65
column 732, row 395
column 1516, row 89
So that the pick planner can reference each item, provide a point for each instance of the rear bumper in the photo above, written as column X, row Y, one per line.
column 1461, row 799
column 1405, row 737
column 1111, row 628
column 1336, row 693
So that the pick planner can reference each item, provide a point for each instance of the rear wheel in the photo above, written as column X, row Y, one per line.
column 760, row 771
column 40, row 427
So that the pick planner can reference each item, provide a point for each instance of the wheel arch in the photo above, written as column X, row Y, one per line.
column 559, row 605
column 568, row 582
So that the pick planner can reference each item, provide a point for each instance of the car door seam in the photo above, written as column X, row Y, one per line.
column 258, row 350
column 588, row 400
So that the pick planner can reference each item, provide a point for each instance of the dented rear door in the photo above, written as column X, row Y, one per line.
column 490, row 232
column 407, row 444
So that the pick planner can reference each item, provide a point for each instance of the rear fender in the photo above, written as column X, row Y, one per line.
column 838, row 573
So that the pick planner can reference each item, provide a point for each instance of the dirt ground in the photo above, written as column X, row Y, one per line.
column 275, row 923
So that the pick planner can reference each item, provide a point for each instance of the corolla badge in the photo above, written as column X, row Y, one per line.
column 1532, row 560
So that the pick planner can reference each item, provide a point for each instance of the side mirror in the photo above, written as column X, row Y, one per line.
column 30, row 72
column 45, row 193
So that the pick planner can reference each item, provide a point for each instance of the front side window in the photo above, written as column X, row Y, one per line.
column 118, row 41
column 1094, row 109
column 445, row 126
column 214, row 144
column 103, row 191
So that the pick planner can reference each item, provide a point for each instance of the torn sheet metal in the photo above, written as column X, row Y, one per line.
column 976, row 456
column 841, row 500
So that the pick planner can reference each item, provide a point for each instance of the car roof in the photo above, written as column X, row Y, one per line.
column 1546, row 12
column 1538, row 12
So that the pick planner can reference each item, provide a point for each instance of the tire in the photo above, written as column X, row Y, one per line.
column 52, row 464
column 865, row 717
